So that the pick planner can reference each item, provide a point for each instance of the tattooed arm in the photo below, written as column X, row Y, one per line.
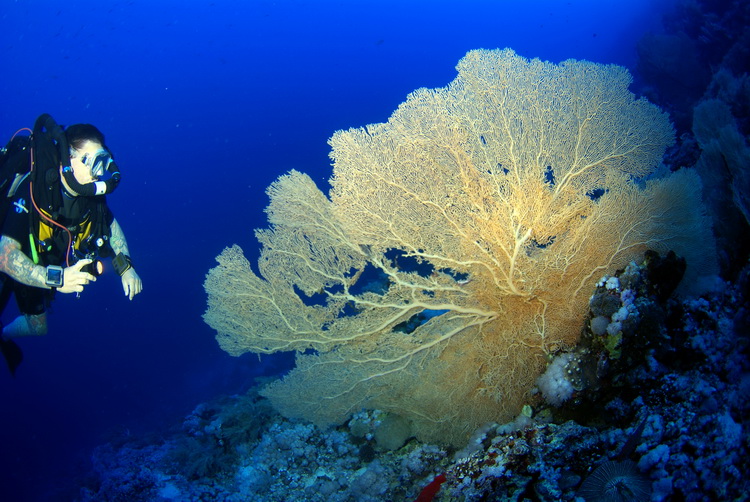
column 131, row 282
column 17, row 265
column 118, row 242
column 20, row 267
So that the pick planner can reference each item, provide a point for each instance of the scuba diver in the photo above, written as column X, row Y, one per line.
column 58, row 226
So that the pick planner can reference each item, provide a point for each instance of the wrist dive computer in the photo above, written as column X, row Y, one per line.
column 55, row 276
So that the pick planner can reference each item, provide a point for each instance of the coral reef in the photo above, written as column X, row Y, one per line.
column 662, row 414
column 698, row 71
column 702, row 38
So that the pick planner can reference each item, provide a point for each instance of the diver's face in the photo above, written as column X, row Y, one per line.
column 81, row 171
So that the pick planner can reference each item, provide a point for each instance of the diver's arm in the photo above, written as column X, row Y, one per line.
column 131, row 281
column 16, row 264
column 118, row 242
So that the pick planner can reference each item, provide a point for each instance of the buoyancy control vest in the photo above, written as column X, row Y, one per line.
column 62, row 229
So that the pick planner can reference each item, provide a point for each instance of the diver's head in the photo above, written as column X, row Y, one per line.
column 78, row 134
column 90, row 160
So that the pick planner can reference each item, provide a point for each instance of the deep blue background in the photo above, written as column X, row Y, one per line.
column 204, row 104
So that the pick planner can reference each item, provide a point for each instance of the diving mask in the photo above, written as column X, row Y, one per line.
column 98, row 162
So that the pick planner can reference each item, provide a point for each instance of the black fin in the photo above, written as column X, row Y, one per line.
column 12, row 354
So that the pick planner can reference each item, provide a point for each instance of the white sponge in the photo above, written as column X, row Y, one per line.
column 554, row 383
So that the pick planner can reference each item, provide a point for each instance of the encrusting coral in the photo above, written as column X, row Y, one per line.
column 459, row 246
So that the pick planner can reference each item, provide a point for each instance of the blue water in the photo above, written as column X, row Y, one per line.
column 204, row 104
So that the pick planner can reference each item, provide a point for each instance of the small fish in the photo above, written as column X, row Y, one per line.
column 429, row 491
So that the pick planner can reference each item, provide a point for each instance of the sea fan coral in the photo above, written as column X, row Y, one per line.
column 616, row 482
column 459, row 245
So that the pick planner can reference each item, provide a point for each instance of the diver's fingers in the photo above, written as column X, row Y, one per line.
column 71, row 288
column 132, row 284
column 74, row 274
column 77, row 266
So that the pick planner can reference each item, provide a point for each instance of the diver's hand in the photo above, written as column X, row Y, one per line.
column 131, row 283
column 74, row 279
